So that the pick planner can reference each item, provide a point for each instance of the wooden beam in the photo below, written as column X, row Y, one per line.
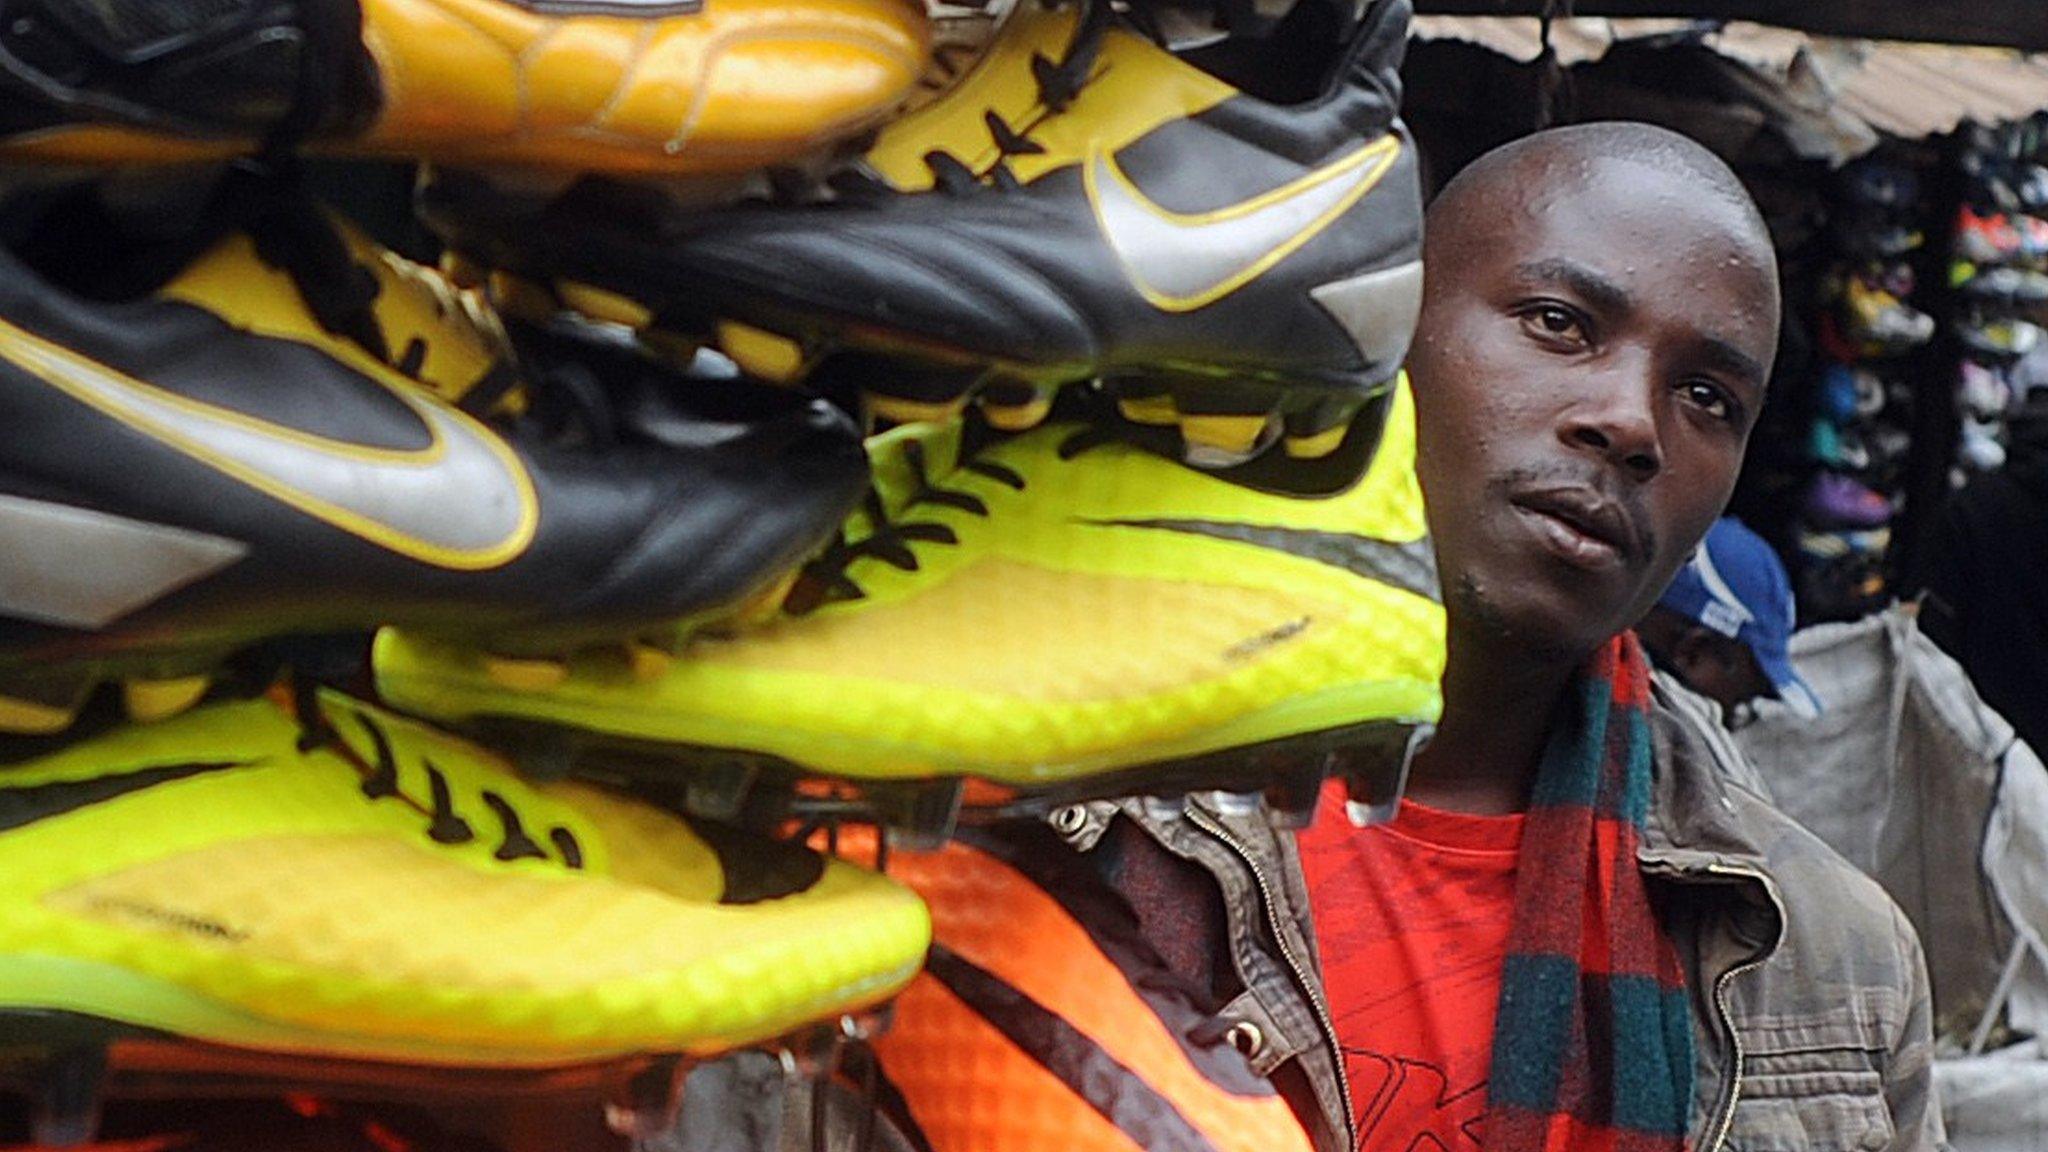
column 2009, row 23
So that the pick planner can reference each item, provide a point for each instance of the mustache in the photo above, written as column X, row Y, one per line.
column 1563, row 474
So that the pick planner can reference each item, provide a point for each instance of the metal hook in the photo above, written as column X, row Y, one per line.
column 1551, row 82
column 848, row 1051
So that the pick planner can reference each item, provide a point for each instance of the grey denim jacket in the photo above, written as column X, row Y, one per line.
column 1811, row 1011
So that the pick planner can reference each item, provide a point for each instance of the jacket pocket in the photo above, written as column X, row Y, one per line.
column 1820, row 1101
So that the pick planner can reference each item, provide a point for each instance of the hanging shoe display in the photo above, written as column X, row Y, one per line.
column 1875, row 335
column 1053, row 448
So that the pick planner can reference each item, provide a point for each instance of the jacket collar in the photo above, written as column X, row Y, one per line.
column 1695, row 831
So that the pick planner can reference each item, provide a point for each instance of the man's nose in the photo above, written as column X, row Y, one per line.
column 1616, row 417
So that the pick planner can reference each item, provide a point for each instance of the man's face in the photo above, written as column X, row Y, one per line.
column 1589, row 362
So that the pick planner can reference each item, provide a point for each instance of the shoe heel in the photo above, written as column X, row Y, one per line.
column 1377, row 310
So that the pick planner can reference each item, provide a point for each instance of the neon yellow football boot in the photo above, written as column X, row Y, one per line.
column 674, row 88
column 1059, row 613
column 396, row 909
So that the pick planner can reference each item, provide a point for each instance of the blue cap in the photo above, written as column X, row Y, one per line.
column 1735, row 585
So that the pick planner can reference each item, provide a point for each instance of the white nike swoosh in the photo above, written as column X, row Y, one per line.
column 1183, row 261
column 463, row 502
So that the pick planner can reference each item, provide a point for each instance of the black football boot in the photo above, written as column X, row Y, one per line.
column 275, row 428
column 168, row 80
column 1229, row 235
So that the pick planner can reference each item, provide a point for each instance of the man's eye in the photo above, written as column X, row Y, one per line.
column 1710, row 398
column 1554, row 324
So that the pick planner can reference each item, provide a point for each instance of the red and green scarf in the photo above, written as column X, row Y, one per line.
column 1592, row 1046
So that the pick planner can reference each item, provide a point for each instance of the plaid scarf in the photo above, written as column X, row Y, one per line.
column 1592, row 1046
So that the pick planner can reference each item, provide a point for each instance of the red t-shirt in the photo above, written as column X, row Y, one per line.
column 1412, row 924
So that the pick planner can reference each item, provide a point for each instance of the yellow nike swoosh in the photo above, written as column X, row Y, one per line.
column 463, row 502
column 1183, row 261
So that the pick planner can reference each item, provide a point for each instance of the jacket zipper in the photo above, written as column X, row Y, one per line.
column 1726, row 1122
column 1308, row 985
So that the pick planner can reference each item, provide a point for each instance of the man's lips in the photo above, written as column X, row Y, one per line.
column 1580, row 525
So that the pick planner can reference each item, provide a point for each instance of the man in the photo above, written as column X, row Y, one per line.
column 1576, row 927
column 1577, row 934
column 1721, row 627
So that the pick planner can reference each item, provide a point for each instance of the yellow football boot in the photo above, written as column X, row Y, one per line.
column 397, row 908
column 685, row 87
column 1058, row 613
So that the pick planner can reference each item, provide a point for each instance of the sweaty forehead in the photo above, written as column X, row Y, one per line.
column 1546, row 192
column 1629, row 218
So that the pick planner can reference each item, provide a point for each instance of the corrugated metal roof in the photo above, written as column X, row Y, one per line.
column 1902, row 89
column 1927, row 89
column 2011, row 23
column 1578, row 40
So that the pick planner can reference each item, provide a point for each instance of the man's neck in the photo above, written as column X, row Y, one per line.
column 1498, row 707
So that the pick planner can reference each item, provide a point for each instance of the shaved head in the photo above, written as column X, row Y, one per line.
column 1504, row 185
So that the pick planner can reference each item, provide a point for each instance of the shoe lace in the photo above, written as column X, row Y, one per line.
column 828, row 579
column 381, row 781
column 293, row 234
column 1058, row 84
